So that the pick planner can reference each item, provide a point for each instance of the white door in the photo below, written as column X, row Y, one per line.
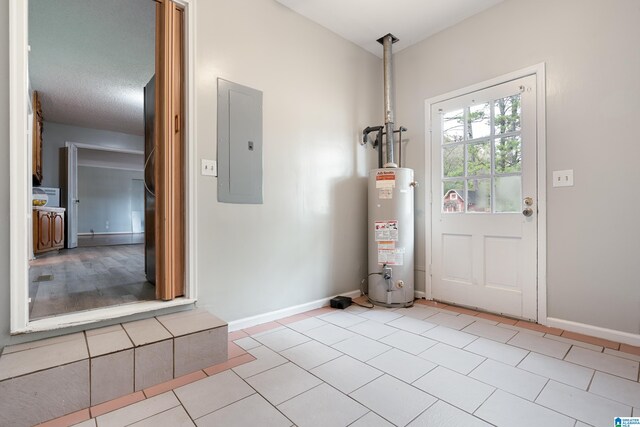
column 72, row 196
column 484, row 208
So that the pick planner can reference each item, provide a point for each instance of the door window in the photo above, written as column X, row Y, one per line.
column 481, row 157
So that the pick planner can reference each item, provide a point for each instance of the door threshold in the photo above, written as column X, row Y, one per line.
column 99, row 314
column 473, row 311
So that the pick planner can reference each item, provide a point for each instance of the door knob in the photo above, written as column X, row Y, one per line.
column 527, row 212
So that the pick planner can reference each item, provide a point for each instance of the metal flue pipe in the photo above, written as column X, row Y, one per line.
column 387, row 41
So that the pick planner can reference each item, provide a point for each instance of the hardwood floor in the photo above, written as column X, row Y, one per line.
column 87, row 277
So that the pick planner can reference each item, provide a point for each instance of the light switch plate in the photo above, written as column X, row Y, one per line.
column 209, row 168
column 563, row 178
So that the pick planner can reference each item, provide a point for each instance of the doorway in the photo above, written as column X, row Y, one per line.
column 485, row 208
column 174, row 52
column 102, row 263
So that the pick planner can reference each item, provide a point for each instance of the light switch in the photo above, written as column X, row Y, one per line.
column 209, row 168
column 563, row 178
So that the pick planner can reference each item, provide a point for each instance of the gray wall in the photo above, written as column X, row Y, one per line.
column 54, row 136
column 308, row 240
column 593, row 63
column 107, row 196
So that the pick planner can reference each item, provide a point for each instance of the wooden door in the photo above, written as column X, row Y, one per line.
column 169, row 167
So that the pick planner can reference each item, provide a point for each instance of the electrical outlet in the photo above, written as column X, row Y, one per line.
column 563, row 178
column 209, row 168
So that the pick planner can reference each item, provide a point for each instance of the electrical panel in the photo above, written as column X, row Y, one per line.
column 239, row 143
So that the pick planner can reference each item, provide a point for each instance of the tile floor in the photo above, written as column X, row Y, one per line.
column 421, row 366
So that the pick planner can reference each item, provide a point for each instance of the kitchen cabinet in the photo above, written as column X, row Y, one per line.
column 36, row 165
column 48, row 229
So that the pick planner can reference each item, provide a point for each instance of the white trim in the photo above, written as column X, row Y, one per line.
column 19, row 165
column 258, row 319
column 122, row 168
column 107, row 233
column 191, row 226
column 19, row 190
column 541, row 117
column 539, row 71
column 93, row 316
column 595, row 331
column 85, row 146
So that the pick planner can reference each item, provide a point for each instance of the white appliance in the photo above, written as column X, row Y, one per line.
column 50, row 194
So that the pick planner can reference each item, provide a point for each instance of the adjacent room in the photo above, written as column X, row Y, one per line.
column 319, row 213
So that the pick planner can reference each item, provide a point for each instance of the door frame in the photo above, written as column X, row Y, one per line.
column 538, row 71
column 71, row 229
column 20, row 184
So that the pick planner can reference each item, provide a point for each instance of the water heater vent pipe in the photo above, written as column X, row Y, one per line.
column 387, row 41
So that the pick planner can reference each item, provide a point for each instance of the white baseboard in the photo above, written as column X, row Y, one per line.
column 595, row 331
column 247, row 322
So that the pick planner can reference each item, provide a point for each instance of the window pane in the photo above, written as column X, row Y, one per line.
column 478, row 121
column 508, row 154
column 479, row 159
column 453, row 196
column 508, row 194
column 453, row 161
column 453, row 127
column 479, row 195
column 507, row 114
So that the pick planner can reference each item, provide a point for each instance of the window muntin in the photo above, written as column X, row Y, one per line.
column 482, row 157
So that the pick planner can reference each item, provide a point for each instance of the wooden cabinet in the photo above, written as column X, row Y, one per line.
column 48, row 229
column 36, row 165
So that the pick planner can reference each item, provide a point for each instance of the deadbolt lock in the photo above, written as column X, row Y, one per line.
column 528, row 201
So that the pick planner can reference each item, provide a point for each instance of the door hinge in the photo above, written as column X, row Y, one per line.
column 430, row 270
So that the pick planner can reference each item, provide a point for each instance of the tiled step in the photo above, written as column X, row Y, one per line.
column 49, row 378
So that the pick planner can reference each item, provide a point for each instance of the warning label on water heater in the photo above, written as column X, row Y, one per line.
column 385, row 193
column 390, row 256
column 386, row 230
column 385, row 179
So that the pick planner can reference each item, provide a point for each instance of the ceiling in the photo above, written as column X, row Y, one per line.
column 90, row 60
column 365, row 21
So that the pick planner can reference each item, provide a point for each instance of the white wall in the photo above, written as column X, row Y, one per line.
column 106, row 199
column 593, row 68
column 54, row 136
column 308, row 239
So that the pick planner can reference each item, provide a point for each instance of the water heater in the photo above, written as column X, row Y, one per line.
column 390, row 237
column 390, row 195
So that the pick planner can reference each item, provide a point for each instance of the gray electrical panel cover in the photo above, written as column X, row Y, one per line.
column 239, row 143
